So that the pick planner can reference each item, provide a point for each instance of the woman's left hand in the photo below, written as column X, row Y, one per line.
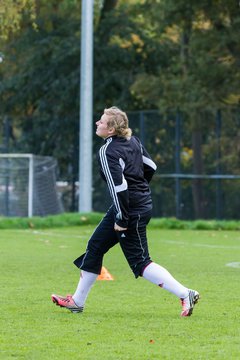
column 119, row 228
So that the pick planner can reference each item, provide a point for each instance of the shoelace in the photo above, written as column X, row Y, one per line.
column 67, row 299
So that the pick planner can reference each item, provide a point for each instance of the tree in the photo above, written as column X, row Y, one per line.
column 41, row 82
column 167, row 55
column 11, row 14
column 41, row 74
column 202, row 72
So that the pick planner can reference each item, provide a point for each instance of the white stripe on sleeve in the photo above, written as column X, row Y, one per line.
column 108, row 175
column 149, row 162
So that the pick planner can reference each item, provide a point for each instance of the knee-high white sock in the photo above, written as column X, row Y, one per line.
column 86, row 281
column 161, row 277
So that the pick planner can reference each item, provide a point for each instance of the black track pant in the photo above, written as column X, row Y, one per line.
column 133, row 242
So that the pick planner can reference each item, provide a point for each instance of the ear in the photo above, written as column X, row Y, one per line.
column 111, row 131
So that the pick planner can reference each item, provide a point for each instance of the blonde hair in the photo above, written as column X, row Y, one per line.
column 118, row 120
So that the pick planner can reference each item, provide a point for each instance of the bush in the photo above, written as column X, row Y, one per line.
column 78, row 219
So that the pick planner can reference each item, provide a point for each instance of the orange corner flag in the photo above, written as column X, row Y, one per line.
column 105, row 275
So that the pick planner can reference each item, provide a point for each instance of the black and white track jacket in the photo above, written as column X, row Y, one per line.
column 127, row 168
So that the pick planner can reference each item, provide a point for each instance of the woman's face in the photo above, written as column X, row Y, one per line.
column 103, row 130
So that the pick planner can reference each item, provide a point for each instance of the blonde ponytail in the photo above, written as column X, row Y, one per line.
column 118, row 120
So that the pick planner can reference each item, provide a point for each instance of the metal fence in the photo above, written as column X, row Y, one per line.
column 198, row 161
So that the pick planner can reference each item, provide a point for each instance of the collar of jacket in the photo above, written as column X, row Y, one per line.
column 110, row 137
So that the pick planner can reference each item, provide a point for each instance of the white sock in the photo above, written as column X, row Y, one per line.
column 161, row 277
column 86, row 281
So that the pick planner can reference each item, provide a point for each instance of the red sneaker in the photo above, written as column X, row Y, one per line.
column 189, row 302
column 67, row 302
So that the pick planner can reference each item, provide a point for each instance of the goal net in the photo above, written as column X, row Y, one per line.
column 28, row 185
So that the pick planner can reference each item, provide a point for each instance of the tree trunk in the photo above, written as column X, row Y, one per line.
column 108, row 5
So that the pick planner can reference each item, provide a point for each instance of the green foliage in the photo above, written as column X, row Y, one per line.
column 11, row 14
column 80, row 219
column 62, row 220
column 201, row 75
column 173, row 56
column 123, row 48
column 124, row 319
column 202, row 70
column 172, row 223
column 41, row 87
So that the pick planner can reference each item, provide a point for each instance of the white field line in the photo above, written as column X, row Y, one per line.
column 44, row 233
column 234, row 265
column 173, row 242
column 209, row 246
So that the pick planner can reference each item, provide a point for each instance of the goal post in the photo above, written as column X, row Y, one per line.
column 28, row 185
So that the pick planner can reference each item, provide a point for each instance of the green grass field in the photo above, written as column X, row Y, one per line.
column 125, row 318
